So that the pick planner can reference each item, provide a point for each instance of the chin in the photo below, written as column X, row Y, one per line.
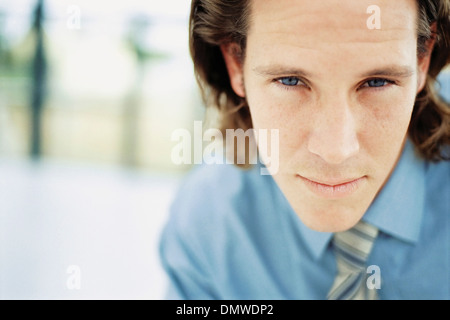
column 331, row 219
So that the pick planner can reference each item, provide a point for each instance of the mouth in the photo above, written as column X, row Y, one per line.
column 333, row 189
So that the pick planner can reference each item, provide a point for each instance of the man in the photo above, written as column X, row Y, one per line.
column 360, row 205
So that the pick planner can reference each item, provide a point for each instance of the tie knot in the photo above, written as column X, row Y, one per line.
column 352, row 247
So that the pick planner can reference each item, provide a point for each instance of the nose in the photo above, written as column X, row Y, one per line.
column 333, row 136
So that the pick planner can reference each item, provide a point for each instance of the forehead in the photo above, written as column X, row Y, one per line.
column 308, row 23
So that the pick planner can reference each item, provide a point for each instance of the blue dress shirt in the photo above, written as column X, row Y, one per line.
column 232, row 235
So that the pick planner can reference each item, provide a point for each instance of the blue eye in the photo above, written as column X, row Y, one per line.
column 289, row 81
column 378, row 82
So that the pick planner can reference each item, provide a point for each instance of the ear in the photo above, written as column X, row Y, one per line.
column 424, row 61
column 232, row 55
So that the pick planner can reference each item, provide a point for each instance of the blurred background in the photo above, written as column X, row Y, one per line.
column 90, row 93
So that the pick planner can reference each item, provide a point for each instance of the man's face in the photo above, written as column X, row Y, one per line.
column 340, row 94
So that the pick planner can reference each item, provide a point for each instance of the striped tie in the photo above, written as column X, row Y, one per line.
column 352, row 247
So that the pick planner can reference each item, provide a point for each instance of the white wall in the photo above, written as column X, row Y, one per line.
column 104, row 221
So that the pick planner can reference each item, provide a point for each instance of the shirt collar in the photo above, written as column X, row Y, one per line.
column 397, row 210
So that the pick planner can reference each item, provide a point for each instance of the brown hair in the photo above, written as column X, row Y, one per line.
column 215, row 22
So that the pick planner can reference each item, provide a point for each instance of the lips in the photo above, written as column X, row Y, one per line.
column 333, row 188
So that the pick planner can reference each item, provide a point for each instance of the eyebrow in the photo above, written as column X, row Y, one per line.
column 396, row 71
column 391, row 71
column 276, row 70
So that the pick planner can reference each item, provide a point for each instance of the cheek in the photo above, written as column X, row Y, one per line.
column 288, row 116
column 275, row 108
column 385, row 117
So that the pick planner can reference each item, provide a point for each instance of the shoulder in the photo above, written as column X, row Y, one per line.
column 220, row 181
column 438, row 187
column 212, row 197
column 207, row 184
column 438, row 176
column 221, row 215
